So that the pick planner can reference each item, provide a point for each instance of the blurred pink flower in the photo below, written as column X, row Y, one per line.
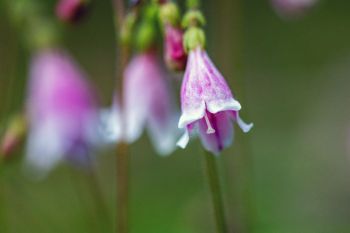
column 61, row 111
column 147, row 103
column 174, row 53
column 70, row 10
column 292, row 8
column 207, row 104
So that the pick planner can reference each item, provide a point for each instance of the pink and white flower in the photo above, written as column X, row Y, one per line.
column 61, row 111
column 147, row 104
column 208, row 104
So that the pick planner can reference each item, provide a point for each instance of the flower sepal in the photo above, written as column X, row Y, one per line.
column 194, row 38
column 169, row 13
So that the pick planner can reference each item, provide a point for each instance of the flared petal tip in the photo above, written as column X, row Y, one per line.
column 187, row 118
column 183, row 141
column 227, row 105
column 246, row 127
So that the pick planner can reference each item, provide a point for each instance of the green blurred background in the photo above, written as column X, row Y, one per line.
column 288, row 175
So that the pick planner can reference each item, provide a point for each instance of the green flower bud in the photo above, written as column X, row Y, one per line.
column 145, row 36
column 127, row 28
column 193, row 18
column 194, row 37
column 169, row 13
column 151, row 12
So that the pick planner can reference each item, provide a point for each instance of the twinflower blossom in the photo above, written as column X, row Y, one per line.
column 292, row 8
column 61, row 111
column 208, row 104
column 147, row 103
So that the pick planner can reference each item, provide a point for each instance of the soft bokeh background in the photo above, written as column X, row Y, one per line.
column 289, row 175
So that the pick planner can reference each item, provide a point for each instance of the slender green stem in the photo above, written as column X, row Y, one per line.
column 216, row 192
column 3, row 222
column 122, row 164
column 99, row 200
column 79, row 194
column 122, row 156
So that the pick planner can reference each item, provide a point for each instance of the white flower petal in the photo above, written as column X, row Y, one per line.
column 110, row 125
column 163, row 133
column 183, row 141
column 45, row 148
column 190, row 116
column 219, row 105
column 244, row 126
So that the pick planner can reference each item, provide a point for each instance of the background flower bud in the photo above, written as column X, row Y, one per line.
column 169, row 13
column 174, row 53
column 71, row 10
column 13, row 135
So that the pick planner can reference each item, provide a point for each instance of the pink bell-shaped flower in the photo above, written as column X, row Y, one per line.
column 208, row 104
column 61, row 111
column 147, row 104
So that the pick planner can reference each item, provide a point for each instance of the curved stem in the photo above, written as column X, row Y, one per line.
column 216, row 192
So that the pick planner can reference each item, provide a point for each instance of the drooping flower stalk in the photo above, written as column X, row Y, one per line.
column 208, row 105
